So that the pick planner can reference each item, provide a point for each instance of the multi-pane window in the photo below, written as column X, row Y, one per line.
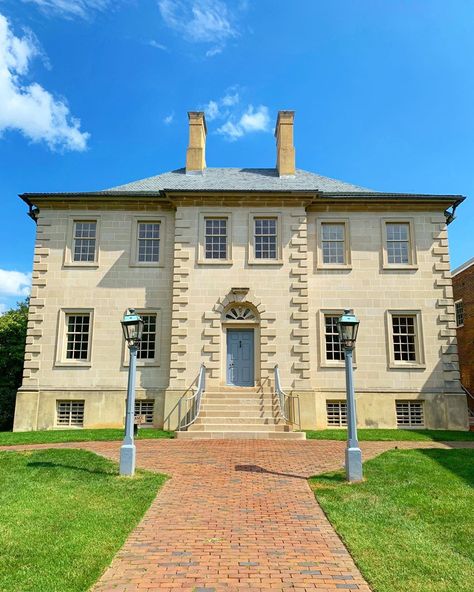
column 336, row 412
column 147, row 349
column 215, row 238
column 77, row 336
column 398, row 242
column 334, row 351
column 404, row 338
column 145, row 409
column 333, row 242
column 84, row 240
column 70, row 413
column 266, row 235
column 410, row 414
column 459, row 308
column 148, row 237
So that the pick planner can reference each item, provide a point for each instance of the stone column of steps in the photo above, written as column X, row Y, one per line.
column 240, row 413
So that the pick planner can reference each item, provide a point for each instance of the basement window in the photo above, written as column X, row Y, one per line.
column 336, row 412
column 70, row 413
column 410, row 414
column 144, row 408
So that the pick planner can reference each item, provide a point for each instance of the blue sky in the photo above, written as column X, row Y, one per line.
column 94, row 93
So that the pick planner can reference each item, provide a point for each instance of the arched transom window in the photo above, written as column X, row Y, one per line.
column 240, row 313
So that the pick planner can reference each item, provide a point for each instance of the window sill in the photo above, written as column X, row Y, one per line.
column 79, row 264
column 340, row 365
column 396, row 267
column 265, row 261
column 215, row 262
column 136, row 264
column 334, row 266
column 72, row 364
column 406, row 366
column 143, row 364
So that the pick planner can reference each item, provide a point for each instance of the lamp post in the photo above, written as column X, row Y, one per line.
column 347, row 326
column 132, row 326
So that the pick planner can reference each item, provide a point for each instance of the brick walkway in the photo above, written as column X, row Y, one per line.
column 237, row 515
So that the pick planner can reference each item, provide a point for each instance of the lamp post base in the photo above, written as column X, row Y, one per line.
column 127, row 459
column 353, row 464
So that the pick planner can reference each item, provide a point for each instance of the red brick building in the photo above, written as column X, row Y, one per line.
column 463, row 289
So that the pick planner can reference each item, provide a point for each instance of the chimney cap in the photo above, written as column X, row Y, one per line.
column 199, row 116
column 284, row 116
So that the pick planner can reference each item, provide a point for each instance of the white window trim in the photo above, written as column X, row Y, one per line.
column 411, row 247
column 147, row 219
column 69, row 247
column 61, row 426
column 341, row 425
column 252, row 260
column 456, row 315
column 201, row 251
column 61, row 342
column 153, row 362
column 419, row 341
column 418, row 426
column 323, row 361
column 139, row 401
column 347, row 244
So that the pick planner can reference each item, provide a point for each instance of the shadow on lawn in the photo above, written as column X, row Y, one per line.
column 53, row 465
column 459, row 461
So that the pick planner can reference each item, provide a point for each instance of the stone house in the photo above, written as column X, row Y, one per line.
column 463, row 291
column 241, row 269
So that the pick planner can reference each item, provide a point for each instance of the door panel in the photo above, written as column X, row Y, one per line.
column 240, row 357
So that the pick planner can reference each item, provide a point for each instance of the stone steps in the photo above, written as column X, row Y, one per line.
column 255, row 420
column 246, row 413
column 254, row 435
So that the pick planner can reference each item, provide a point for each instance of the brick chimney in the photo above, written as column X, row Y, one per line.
column 196, row 153
column 284, row 141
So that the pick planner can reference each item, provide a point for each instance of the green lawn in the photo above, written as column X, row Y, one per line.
column 63, row 516
column 54, row 436
column 409, row 526
column 394, row 435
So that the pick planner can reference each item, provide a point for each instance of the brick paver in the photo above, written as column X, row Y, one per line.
column 236, row 515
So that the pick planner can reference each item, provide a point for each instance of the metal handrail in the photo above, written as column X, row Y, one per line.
column 289, row 404
column 192, row 404
column 471, row 396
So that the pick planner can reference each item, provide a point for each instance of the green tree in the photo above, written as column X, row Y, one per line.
column 12, row 351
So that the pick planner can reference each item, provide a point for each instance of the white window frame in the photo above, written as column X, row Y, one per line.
column 150, row 362
column 69, row 247
column 456, row 302
column 412, row 264
column 201, row 254
column 147, row 219
column 321, row 322
column 61, row 340
column 252, row 260
column 339, row 404
column 419, row 341
column 410, row 426
column 320, row 264
column 69, row 425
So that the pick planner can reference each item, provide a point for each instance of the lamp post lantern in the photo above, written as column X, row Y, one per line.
column 132, row 326
column 348, row 325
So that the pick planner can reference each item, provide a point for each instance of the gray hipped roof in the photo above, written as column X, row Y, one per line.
column 237, row 179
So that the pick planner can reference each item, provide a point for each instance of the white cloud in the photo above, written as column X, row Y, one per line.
column 14, row 283
column 214, row 51
column 71, row 8
column 206, row 21
column 230, row 100
column 212, row 110
column 157, row 45
column 169, row 118
column 252, row 120
column 30, row 109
